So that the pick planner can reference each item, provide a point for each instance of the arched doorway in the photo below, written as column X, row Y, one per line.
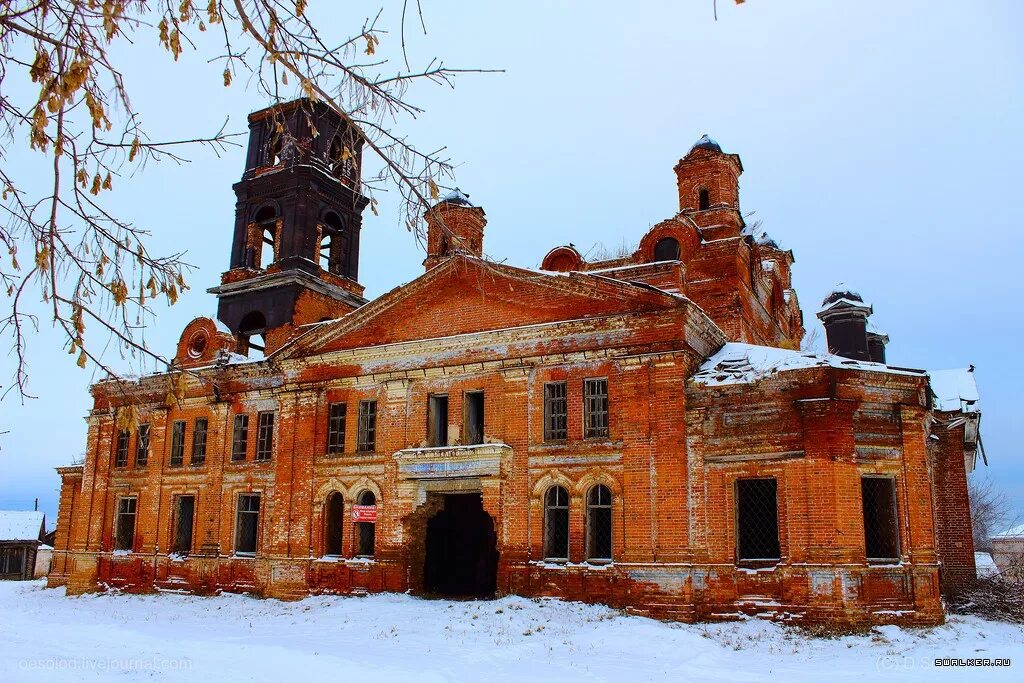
column 461, row 549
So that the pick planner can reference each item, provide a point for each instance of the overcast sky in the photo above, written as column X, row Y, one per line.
column 881, row 144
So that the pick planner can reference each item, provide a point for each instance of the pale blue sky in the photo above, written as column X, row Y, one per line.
column 880, row 141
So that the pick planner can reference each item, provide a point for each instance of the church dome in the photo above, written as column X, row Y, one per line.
column 457, row 197
column 706, row 142
column 842, row 292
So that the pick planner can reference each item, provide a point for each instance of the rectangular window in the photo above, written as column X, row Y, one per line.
column 247, row 524
column 177, row 443
column 555, row 411
column 121, row 456
column 199, row 441
column 336, row 428
column 124, row 531
column 240, row 437
column 881, row 522
column 367, row 436
column 142, row 446
column 12, row 560
column 184, row 513
column 757, row 519
column 437, row 420
column 595, row 408
column 264, row 436
column 474, row 417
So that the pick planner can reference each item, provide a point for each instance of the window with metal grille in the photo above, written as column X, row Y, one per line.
column 599, row 524
column 437, row 420
column 247, row 524
column 240, row 437
column 264, row 436
column 177, row 443
column 881, row 521
column 142, row 446
column 366, row 531
column 334, row 522
column 121, row 456
column 556, row 524
column 336, row 428
column 555, row 411
column 595, row 408
column 184, row 514
column 199, row 441
column 757, row 519
column 473, row 418
column 367, row 432
column 124, row 531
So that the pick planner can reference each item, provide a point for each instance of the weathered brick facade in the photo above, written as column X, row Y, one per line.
column 650, row 457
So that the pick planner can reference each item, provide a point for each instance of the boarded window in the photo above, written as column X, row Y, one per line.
column 556, row 524
column 177, row 443
column 264, row 436
column 334, row 522
column 142, row 446
column 437, row 420
column 666, row 249
column 240, row 437
column 881, row 522
column 595, row 408
column 336, row 428
column 599, row 523
column 555, row 411
column 121, row 456
column 474, row 417
column 367, row 432
column 184, row 514
column 124, row 531
column 199, row 441
column 366, row 531
column 757, row 519
column 247, row 524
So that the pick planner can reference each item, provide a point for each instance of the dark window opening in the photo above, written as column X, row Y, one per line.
column 556, row 524
column 599, row 523
column 184, row 515
column 666, row 249
column 274, row 149
column 336, row 428
column 703, row 199
column 247, row 524
column 124, row 531
column 595, row 408
column 881, row 522
column 142, row 446
column 342, row 161
column 334, row 514
column 199, row 441
column 121, row 456
column 474, row 417
column 177, row 443
column 12, row 560
column 366, row 531
column 555, row 411
column 437, row 420
column 264, row 436
column 251, row 331
column 240, row 437
column 366, row 437
column 757, row 519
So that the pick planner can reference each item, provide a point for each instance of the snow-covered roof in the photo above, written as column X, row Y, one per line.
column 1012, row 532
column 20, row 525
column 737, row 363
column 706, row 142
column 954, row 390
column 456, row 196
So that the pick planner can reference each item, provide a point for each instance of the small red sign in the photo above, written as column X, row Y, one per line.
column 364, row 513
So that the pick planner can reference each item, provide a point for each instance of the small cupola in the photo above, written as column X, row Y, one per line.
column 877, row 341
column 708, row 183
column 454, row 226
column 845, row 317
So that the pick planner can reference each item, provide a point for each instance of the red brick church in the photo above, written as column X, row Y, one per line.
column 642, row 431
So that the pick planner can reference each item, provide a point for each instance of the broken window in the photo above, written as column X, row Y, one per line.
column 240, row 437
column 177, row 443
column 703, row 199
column 264, row 436
column 184, row 514
column 247, row 524
column 555, row 411
column 666, row 249
column 199, row 441
column 595, row 408
column 334, row 513
column 366, row 531
column 757, row 519
column 437, row 420
column 599, row 523
column 473, row 405
column 556, row 524
column 881, row 522
column 124, row 531
column 142, row 446
column 121, row 456
column 251, row 335
column 366, row 437
column 336, row 428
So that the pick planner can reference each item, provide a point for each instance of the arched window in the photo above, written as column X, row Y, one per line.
column 262, row 239
column 366, row 531
column 556, row 524
column 666, row 249
column 274, row 157
column 703, row 199
column 251, row 331
column 333, row 250
column 599, row 524
column 334, row 520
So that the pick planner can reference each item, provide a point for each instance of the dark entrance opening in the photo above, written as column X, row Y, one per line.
column 462, row 556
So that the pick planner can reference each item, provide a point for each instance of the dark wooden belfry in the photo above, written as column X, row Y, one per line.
column 298, row 216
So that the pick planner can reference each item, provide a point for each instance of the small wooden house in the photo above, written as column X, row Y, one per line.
column 21, row 533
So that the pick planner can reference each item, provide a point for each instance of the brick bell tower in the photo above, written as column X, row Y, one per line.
column 709, row 189
column 295, row 252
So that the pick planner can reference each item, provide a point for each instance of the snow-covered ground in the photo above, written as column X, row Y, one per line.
column 47, row 636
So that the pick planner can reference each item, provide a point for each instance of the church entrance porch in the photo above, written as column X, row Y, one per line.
column 461, row 558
